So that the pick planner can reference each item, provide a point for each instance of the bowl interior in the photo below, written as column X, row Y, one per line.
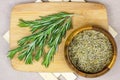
column 90, row 27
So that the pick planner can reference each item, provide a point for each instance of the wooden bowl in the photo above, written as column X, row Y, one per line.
column 90, row 27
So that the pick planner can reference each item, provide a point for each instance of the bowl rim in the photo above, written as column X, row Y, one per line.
column 90, row 27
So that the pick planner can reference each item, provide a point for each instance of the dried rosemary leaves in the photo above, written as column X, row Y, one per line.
column 90, row 51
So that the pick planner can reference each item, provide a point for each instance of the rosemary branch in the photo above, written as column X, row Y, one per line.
column 48, row 30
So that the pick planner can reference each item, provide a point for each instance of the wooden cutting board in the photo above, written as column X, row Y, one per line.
column 87, row 13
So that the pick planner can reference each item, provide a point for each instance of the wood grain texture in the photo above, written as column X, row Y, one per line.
column 86, row 13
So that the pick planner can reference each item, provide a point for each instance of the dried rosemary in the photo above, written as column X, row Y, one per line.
column 90, row 51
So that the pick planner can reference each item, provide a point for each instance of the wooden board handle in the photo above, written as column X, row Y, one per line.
column 60, row 0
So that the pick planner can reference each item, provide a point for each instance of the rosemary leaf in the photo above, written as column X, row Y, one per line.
column 47, row 30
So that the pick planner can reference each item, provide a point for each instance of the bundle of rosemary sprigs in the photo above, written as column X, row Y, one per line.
column 46, row 31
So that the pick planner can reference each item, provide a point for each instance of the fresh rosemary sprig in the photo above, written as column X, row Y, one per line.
column 48, row 30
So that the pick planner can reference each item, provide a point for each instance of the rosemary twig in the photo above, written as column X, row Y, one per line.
column 48, row 30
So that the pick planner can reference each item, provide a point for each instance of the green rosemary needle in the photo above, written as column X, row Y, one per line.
column 48, row 30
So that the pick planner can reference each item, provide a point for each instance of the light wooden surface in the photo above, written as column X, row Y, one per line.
column 87, row 13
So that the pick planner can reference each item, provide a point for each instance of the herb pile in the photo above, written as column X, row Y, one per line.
column 90, row 51
column 46, row 31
